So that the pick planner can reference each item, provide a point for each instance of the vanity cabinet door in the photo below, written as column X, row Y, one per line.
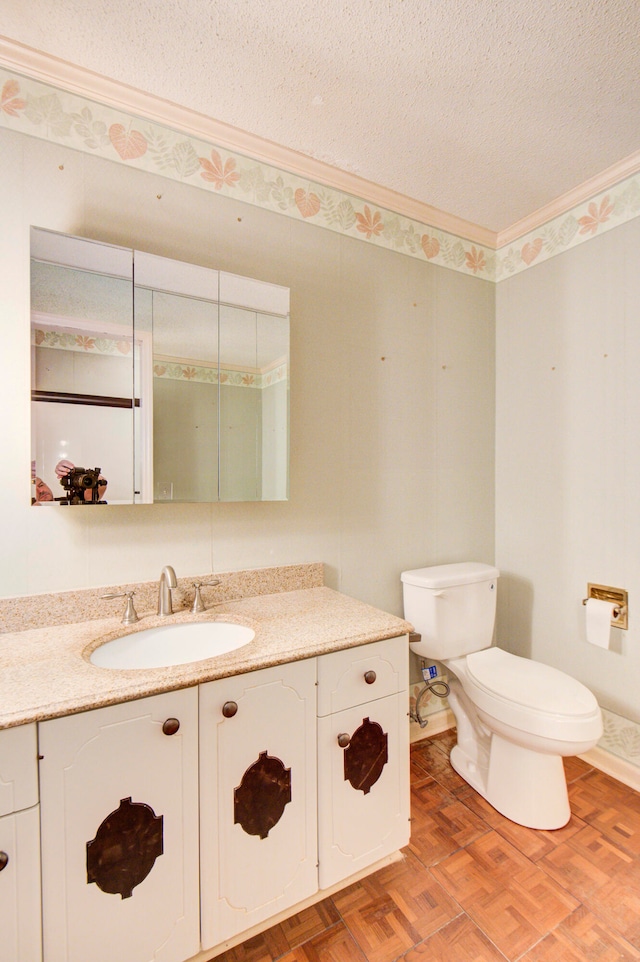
column 258, row 797
column 119, row 800
column 363, row 757
column 363, row 800
column 20, row 887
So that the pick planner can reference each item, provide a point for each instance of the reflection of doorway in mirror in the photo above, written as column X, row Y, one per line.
column 275, row 431
column 254, row 396
column 185, row 389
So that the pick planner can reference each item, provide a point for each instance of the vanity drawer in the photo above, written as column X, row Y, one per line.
column 358, row 675
column 18, row 768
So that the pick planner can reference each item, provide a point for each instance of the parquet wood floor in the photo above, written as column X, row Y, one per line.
column 474, row 887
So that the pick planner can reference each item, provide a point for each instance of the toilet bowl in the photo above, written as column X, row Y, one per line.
column 515, row 718
column 527, row 717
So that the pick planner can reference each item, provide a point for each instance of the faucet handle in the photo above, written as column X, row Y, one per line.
column 130, row 615
column 198, row 603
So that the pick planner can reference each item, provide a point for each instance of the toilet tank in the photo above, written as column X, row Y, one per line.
column 453, row 608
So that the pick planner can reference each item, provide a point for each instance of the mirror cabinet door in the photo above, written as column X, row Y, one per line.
column 178, row 304
column 82, row 361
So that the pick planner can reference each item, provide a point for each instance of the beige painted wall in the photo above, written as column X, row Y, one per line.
column 392, row 394
column 568, row 461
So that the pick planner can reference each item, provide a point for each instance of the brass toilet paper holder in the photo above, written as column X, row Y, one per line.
column 617, row 596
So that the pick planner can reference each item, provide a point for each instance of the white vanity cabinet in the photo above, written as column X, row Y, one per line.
column 177, row 822
column 119, row 801
column 363, row 757
column 19, row 846
column 258, row 796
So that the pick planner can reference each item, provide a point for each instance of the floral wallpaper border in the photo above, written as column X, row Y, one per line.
column 168, row 369
column 60, row 116
column 80, row 343
column 601, row 213
column 203, row 374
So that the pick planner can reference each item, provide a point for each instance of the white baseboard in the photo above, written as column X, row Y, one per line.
column 438, row 721
column 610, row 764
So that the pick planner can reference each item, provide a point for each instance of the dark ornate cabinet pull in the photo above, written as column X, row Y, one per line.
column 125, row 848
column 229, row 709
column 4, row 860
column 344, row 740
column 366, row 756
column 370, row 677
column 171, row 726
column 261, row 797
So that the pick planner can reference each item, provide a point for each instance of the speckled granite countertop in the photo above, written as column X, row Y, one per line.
column 45, row 671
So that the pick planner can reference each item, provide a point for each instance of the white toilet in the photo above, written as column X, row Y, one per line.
column 515, row 717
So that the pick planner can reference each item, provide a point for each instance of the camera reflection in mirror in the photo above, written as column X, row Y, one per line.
column 81, row 485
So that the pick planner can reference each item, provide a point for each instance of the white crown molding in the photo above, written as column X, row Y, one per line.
column 60, row 73
column 87, row 84
column 572, row 198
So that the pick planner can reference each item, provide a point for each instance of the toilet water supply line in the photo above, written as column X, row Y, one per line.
column 438, row 686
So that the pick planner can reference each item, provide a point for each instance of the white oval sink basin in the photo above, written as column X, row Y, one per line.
column 171, row 645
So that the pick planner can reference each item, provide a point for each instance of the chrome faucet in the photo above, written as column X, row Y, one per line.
column 167, row 582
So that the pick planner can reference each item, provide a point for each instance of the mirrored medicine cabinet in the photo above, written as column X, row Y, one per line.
column 153, row 379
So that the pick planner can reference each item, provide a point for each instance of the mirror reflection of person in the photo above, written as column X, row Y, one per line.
column 64, row 467
column 44, row 493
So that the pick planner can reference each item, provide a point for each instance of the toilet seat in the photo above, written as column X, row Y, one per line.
column 529, row 683
column 528, row 695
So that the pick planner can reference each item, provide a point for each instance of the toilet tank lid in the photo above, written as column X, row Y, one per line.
column 446, row 576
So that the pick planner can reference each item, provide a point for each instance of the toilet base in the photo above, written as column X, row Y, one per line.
column 525, row 786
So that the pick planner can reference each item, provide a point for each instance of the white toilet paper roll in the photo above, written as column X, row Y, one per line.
column 599, row 615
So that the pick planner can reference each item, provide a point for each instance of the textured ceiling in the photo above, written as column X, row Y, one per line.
column 487, row 109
